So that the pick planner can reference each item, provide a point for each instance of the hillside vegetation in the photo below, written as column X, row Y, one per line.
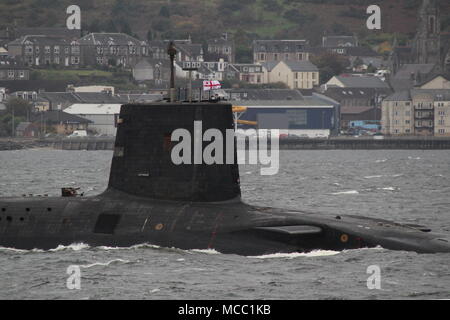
column 203, row 19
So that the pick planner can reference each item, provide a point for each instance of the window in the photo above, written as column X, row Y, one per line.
column 407, row 122
column 66, row 50
column 441, row 122
column 56, row 49
column 408, row 131
column 75, row 60
column 286, row 56
column 29, row 49
column 10, row 74
column 21, row 74
column 262, row 56
column 441, row 131
column 275, row 56
column 47, row 49
column 300, row 56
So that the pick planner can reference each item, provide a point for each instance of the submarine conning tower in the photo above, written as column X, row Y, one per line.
column 142, row 164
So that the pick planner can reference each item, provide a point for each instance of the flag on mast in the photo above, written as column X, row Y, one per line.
column 211, row 85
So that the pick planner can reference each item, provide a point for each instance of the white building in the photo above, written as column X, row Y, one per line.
column 103, row 116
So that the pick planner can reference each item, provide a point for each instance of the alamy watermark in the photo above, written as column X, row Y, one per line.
column 374, row 281
column 74, row 280
column 374, row 21
column 220, row 150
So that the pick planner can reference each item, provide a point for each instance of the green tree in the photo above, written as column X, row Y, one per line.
column 20, row 107
column 329, row 65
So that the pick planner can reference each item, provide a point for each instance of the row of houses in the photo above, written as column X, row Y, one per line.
column 421, row 111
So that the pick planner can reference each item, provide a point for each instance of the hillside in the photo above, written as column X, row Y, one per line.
column 202, row 19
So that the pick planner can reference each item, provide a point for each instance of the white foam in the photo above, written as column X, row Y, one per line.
column 346, row 192
column 205, row 251
column 387, row 189
column 14, row 250
column 137, row 246
column 74, row 247
column 293, row 255
column 373, row 177
column 103, row 264
column 382, row 160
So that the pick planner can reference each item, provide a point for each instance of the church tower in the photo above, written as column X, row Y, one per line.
column 427, row 45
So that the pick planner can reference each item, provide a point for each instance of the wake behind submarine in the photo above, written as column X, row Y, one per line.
column 150, row 199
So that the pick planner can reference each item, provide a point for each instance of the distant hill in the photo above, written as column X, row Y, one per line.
column 203, row 19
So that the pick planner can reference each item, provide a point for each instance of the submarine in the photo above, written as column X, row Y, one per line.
column 149, row 199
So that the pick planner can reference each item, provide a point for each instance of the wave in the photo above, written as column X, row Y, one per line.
column 293, row 255
column 387, row 189
column 204, row 251
column 103, row 264
column 74, row 247
column 345, row 192
column 373, row 177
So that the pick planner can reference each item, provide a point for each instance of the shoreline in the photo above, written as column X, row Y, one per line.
column 334, row 143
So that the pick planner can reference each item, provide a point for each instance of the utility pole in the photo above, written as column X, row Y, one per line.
column 12, row 122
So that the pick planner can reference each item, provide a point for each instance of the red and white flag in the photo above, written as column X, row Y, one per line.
column 211, row 85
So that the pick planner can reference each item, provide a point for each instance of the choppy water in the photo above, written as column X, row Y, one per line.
column 406, row 186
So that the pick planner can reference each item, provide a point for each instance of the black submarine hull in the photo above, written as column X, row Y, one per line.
column 150, row 199
column 119, row 220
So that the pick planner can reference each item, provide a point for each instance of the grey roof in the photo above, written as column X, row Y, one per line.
column 279, row 45
column 270, row 65
column 58, row 97
column 118, row 39
column 95, row 97
column 41, row 40
column 399, row 96
column 362, row 81
column 410, row 74
column 78, row 97
column 340, row 94
column 127, row 98
column 264, row 94
column 301, row 66
column 190, row 49
column 58, row 116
